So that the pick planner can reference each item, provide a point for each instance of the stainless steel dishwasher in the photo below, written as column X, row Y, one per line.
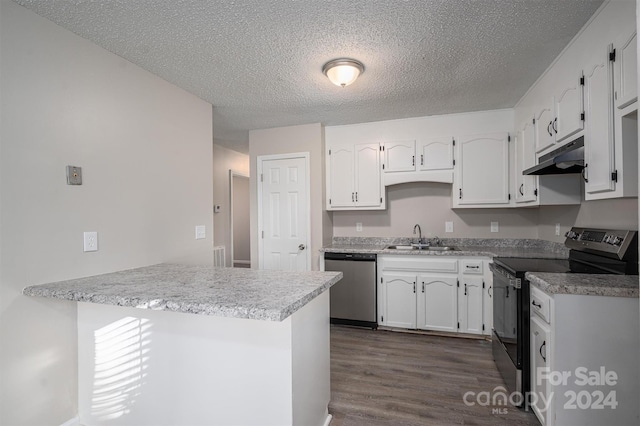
column 353, row 299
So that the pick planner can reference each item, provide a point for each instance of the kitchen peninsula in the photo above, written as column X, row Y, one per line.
column 184, row 344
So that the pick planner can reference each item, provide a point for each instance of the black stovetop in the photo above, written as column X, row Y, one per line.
column 520, row 265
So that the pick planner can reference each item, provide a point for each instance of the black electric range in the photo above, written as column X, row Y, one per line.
column 593, row 251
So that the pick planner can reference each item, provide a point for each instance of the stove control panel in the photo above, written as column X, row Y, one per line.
column 600, row 241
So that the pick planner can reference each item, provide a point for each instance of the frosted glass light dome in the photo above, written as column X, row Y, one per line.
column 343, row 72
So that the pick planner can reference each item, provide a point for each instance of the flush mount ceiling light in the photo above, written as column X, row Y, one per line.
column 343, row 71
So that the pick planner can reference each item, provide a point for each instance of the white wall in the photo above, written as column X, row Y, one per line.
column 145, row 147
column 224, row 160
column 284, row 140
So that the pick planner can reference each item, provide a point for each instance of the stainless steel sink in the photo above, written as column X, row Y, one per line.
column 421, row 247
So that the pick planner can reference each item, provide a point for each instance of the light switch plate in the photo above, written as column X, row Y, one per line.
column 74, row 175
column 358, row 226
column 90, row 241
column 448, row 227
column 495, row 227
column 200, row 232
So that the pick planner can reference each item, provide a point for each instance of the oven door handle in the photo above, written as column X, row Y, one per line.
column 544, row 358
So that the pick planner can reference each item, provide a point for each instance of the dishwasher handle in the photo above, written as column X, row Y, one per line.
column 358, row 257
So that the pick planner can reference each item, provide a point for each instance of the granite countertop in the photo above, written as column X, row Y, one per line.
column 205, row 290
column 585, row 284
column 465, row 247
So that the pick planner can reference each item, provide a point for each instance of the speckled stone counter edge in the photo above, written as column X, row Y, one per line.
column 585, row 284
column 280, row 309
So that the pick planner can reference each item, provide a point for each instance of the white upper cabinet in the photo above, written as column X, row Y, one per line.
column 482, row 171
column 435, row 154
column 544, row 133
column 525, row 157
column 569, row 118
column 599, row 141
column 354, row 177
column 399, row 156
column 625, row 58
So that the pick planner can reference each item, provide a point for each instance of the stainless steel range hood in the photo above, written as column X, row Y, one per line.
column 566, row 159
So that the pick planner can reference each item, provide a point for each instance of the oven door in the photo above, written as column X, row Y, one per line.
column 506, row 299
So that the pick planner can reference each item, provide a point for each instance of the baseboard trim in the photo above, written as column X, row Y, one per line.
column 72, row 422
column 327, row 421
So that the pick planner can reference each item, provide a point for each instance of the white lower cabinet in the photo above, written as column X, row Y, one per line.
column 584, row 359
column 437, row 293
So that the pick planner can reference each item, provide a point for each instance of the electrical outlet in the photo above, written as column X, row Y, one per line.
column 557, row 229
column 448, row 227
column 358, row 226
column 495, row 227
column 90, row 241
column 200, row 232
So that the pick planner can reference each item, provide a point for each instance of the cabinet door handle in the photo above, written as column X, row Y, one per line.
column 413, row 160
column 461, row 193
column 555, row 125
column 422, row 159
column 356, row 196
column 584, row 173
column 423, row 286
column 521, row 185
column 414, row 286
column 544, row 358
column 490, row 291
column 465, row 289
column 549, row 127
column 353, row 197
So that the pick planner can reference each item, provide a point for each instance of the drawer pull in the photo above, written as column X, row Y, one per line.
column 536, row 304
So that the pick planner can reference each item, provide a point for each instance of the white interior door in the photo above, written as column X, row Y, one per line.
column 283, row 216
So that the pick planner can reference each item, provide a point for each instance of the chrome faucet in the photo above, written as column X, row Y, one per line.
column 419, row 233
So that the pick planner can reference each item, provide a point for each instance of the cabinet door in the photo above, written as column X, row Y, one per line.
column 470, row 309
column 544, row 134
column 341, row 192
column 367, row 172
column 599, row 141
column 398, row 301
column 483, row 170
column 487, row 302
column 569, row 109
column 525, row 157
column 399, row 156
column 626, row 77
column 540, row 362
column 435, row 154
column 438, row 303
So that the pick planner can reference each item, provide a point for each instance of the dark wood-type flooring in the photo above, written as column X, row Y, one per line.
column 390, row 378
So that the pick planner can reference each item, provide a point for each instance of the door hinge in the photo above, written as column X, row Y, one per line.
column 454, row 142
column 535, row 192
column 482, row 327
column 509, row 196
column 508, row 138
column 458, row 324
column 612, row 55
column 582, row 116
column 261, row 177
column 381, row 199
column 382, row 166
column 458, row 283
column 534, row 120
column 454, row 162
column 329, row 201
column 582, row 81
column 614, row 176
column 381, row 280
column 382, row 318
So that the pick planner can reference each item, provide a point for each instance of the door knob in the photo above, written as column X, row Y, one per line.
column 302, row 247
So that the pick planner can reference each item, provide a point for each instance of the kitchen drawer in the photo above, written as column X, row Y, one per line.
column 419, row 263
column 473, row 267
column 541, row 304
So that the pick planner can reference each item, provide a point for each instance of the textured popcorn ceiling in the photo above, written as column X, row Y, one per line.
column 259, row 62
